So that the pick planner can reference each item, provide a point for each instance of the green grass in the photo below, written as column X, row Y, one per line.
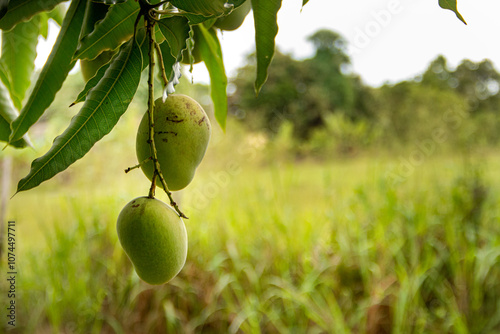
column 275, row 246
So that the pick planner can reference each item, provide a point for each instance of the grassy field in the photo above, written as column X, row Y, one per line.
column 275, row 245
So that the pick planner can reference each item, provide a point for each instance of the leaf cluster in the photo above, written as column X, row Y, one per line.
column 88, row 29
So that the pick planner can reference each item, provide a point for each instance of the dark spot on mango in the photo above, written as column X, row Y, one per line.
column 174, row 119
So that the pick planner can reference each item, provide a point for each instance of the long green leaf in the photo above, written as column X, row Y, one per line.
column 23, row 10
column 304, row 2
column 57, row 14
column 265, row 14
column 18, row 57
column 4, row 4
column 212, row 56
column 8, row 113
column 55, row 71
column 109, row 2
column 92, row 82
column 451, row 5
column 116, row 28
column 206, row 8
column 99, row 114
column 176, row 31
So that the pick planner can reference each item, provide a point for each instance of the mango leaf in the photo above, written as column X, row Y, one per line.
column 451, row 5
column 57, row 14
column 212, row 56
column 4, row 76
column 197, row 19
column 116, row 28
column 265, row 15
column 18, row 57
column 109, row 2
column 304, row 2
column 44, row 25
column 54, row 72
column 23, row 10
column 176, row 31
column 92, row 82
column 3, row 7
column 207, row 8
column 99, row 114
column 7, row 114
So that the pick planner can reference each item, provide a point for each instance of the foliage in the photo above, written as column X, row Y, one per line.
column 302, row 92
column 90, row 28
column 329, row 109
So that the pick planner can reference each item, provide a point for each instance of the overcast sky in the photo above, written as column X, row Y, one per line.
column 390, row 40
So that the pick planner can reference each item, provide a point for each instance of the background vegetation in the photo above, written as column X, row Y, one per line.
column 327, row 206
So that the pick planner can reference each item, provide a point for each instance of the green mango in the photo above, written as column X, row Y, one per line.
column 154, row 238
column 182, row 132
column 235, row 19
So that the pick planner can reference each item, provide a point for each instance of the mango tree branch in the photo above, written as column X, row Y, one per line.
column 154, row 157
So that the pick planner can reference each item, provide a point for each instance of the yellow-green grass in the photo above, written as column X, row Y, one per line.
column 275, row 245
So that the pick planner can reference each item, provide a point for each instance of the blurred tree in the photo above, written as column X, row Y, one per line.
column 302, row 92
column 438, row 75
column 478, row 83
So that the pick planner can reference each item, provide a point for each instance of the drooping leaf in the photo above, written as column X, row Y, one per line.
column 23, row 10
column 57, row 14
column 4, row 77
column 54, row 72
column 104, row 105
column 92, row 83
column 176, row 31
column 207, row 8
column 109, row 2
column 3, row 7
column 7, row 114
column 451, row 5
column 18, row 57
column 212, row 56
column 94, row 13
column 44, row 25
column 116, row 28
column 197, row 19
column 265, row 15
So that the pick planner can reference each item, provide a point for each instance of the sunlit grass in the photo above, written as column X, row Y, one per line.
column 275, row 245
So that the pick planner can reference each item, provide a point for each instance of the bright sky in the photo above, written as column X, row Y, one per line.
column 390, row 40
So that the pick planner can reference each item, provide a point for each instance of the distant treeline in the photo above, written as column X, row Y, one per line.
column 324, row 105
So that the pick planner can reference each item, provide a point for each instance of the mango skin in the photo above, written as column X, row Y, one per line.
column 234, row 20
column 154, row 238
column 182, row 132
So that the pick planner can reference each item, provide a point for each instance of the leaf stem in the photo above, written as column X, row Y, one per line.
column 138, row 165
column 162, row 66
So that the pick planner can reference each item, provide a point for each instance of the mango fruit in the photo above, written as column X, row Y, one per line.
column 181, row 134
column 154, row 238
